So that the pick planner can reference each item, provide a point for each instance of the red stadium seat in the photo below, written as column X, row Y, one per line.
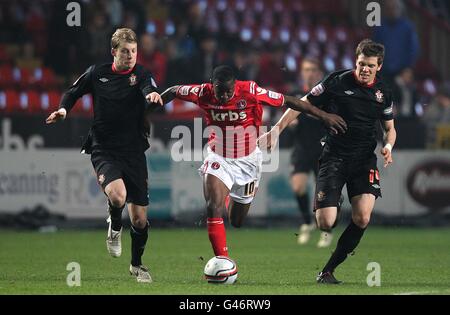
column 50, row 101
column 21, row 77
column 28, row 102
column 42, row 78
column 6, row 76
column 34, row 102
column 9, row 101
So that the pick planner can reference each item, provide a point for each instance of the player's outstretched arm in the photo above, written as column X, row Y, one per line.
column 332, row 121
column 170, row 94
column 80, row 87
column 390, row 135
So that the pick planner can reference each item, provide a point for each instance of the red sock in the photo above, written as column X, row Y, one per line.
column 217, row 236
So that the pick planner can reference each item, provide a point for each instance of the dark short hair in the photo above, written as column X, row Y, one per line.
column 369, row 48
column 223, row 74
column 314, row 61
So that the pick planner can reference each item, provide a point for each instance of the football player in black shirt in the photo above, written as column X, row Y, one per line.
column 307, row 133
column 361, row 97
column 121, row 91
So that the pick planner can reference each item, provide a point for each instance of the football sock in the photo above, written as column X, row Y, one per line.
column 303, row 205
column 217, row 236
column 346, row 244
column 116, row 216
column 138, row 240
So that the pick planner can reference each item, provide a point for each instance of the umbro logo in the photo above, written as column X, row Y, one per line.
column 348, row 92
column 103, row 80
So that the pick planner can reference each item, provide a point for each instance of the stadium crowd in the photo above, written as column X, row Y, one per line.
column 181, row 41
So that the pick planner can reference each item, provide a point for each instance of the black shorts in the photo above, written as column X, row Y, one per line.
column 361, row 177
column 132, row 169
column 304, row 160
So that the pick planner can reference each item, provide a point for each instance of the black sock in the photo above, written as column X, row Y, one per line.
column 116, row 216
column 346, row 244
column 303, row 205
column 138, row 240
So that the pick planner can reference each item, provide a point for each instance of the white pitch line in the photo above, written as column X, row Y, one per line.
column 422, row 292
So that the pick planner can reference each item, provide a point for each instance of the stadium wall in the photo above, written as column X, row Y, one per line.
column 63, row 181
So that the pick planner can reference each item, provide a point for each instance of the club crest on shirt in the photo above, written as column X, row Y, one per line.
column 241, row 104
column 380, row 96
column 133, row 79
column 320, row 196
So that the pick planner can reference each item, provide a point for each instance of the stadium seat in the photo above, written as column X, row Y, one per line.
column 34, row 102
column 49, row 101
column 21, row 77
column 9, row 100
column 6, row 76
column 43, row 78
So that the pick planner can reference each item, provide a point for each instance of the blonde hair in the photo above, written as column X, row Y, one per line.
column 121, row 35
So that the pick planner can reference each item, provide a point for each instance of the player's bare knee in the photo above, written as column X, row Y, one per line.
column 117, row 198
column 361, row 220
column 139, row 222
column 324, row 223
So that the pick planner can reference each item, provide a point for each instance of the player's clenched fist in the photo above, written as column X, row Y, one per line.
column 154, row 98
column 60, row 114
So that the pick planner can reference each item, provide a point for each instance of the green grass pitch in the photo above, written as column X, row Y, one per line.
column 412, row 261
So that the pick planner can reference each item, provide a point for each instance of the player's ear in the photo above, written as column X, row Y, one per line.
column 113, row 52
column 379, row 67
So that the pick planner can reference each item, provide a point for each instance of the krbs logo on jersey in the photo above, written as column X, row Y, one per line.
column 241, row 104
column 230, row 115
column 133, row 79
column 380, row 97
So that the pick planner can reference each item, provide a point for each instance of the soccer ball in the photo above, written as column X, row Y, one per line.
column 221, row 269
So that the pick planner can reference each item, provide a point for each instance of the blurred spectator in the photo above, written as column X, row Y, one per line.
column 437, row 113
column 186, row 46
column 114, row 10
column 27, row 58
column 100, row 34
column 177, row 65
column 272, row 72
column 405, row 94
column 399, row 38
column 67, row 51
column 196, row 29
column 156, row 10
column 242, row 62
column 203, row 63
column 151, row 58
column 134, row 16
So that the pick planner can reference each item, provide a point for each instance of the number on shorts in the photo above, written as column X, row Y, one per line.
column 249, row 189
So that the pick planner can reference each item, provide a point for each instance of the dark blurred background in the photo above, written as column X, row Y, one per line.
column 182, row 41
